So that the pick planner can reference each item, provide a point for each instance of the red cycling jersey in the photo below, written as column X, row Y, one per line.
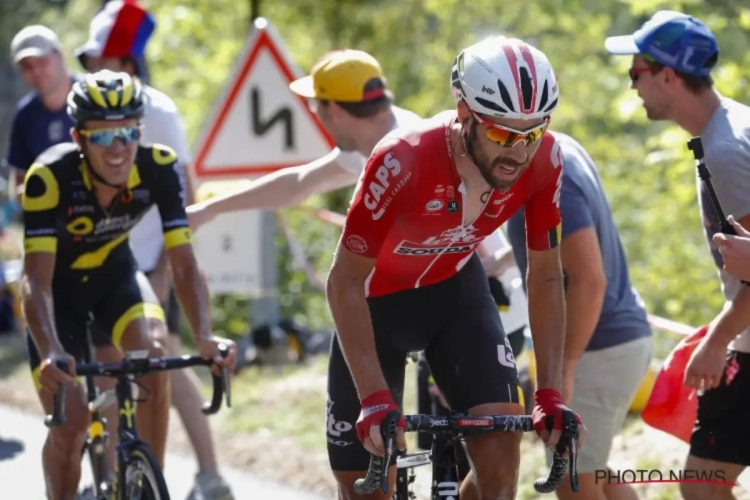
column 407, row 212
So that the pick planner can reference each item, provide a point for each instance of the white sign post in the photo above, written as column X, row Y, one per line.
column 258, row 126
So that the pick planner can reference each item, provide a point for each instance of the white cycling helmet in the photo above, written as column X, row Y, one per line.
column 505, row 77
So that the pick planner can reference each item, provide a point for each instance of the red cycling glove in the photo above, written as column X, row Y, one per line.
column 375, row 408
column 548, row 403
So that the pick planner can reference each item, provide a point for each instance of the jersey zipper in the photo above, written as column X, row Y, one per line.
column 457, row 237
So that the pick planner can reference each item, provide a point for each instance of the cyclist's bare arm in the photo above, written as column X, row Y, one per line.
column 546, row 300
column 191, row 290
column 190, row 191
column 345, row 290
column 38, row 307
column 285, row 188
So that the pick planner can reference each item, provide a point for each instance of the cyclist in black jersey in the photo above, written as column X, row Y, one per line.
column 80, row 200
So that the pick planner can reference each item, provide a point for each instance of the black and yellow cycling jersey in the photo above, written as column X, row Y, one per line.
column 62, row 215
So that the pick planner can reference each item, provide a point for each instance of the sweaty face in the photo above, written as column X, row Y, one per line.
column 499, row 165
column 45, row 74
column 649, row 86
column 114, row 162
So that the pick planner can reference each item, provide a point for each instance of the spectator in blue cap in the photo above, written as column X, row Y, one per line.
column 673, row 55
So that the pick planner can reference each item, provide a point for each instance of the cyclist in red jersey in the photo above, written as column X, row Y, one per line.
column 405, row 276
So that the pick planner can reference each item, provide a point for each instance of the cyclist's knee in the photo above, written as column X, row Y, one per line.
column 346, row 481
column 68, row 438
column 145, row 334
column 496, row 456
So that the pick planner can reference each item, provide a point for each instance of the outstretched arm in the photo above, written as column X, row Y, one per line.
column 285, row 188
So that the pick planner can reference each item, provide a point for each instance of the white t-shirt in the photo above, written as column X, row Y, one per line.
column 517, row 315
column 354, row 161
column 161, row 125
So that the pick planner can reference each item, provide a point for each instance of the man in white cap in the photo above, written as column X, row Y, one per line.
column 41, row 120
column 118, row 36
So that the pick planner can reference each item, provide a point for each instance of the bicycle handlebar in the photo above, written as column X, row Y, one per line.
column 377, row 473
column 221, row 384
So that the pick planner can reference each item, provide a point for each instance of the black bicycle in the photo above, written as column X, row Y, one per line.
column 138, row 475
column 447, row 432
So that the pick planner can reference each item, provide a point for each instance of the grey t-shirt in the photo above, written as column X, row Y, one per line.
column 726, row 144
column 583, row 204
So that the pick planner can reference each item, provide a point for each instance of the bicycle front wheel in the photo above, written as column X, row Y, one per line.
column 143, row 477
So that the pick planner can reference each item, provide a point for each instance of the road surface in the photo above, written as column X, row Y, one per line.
column 22, row 436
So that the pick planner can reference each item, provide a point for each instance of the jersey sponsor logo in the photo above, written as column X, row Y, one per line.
column 433, row 205
column 141, row 195
column 455, row 240
column 502, row 200
column 119, row 223
column 453, row 206
column 356, row 243
column 169, row 224
column 81, row 209
column 439, row 190
column 378, row 189
column 409, row 248
column 43, row 231
column 80, row 226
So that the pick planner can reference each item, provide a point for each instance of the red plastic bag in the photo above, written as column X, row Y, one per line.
column 673, row 406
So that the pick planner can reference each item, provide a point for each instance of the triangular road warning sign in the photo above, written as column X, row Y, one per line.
column 260, row 125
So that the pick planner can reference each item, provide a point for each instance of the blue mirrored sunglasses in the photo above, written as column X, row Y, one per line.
column 106, row 136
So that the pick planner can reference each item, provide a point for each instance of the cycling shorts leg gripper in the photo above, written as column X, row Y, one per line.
column 470, row 359
column 133, row 299
column 345, row 451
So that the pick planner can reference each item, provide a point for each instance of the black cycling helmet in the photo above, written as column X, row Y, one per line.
column 105, row 95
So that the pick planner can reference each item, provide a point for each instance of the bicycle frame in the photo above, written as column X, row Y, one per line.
column 136, row 363
column 127, row 433
column 98, row 437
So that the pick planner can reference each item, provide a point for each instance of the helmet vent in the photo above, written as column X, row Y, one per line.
column 527, row 88
column 505, row 95
column 490, row 105
column 545, row 95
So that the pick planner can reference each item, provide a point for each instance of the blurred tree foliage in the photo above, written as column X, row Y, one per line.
column 647, row 170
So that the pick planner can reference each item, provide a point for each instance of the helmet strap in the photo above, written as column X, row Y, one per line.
column 466, row 142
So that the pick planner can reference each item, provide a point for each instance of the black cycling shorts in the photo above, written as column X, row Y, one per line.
column 457, row 325
column 172, row 312
column 107, row 304
column 721, row 432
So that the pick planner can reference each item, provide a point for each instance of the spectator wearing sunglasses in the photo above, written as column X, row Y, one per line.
column 118, row 37
column 673, row 56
